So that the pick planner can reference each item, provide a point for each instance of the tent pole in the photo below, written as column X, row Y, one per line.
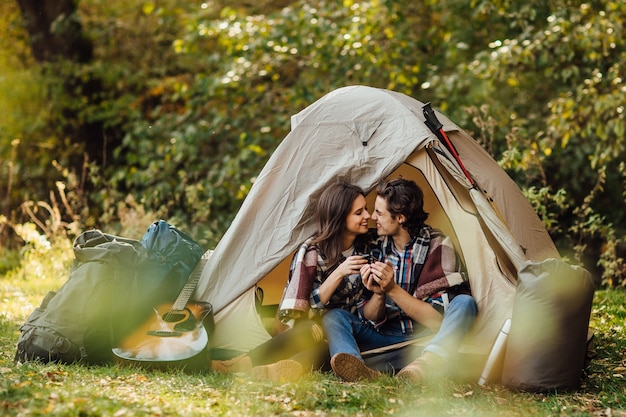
column 437, row 128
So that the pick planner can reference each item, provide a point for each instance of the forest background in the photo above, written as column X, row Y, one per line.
column 117, row 113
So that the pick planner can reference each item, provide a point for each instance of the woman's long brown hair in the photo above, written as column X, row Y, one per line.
column 333, row 207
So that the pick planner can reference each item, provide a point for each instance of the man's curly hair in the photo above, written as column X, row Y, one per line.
column 404, row 197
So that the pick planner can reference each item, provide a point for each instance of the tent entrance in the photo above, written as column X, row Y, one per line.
column 274, row 282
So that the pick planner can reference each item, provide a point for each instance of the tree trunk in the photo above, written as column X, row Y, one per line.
column 56, row 35
column 55, row 31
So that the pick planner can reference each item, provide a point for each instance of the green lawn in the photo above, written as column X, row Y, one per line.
column 35, row 389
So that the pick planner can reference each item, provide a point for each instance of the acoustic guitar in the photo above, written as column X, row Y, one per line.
column 176, row 335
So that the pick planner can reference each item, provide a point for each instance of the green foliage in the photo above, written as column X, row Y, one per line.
column 209, row 134
column 41, row 260
column 18, row 99
column 556, row 89
column 184, row 102
column 22, row 100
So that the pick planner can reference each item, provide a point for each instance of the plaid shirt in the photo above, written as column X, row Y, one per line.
column 426, row 268
column 307, row 272
column 347, row 294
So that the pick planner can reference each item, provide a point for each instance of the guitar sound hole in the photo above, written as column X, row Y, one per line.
column 174, row 317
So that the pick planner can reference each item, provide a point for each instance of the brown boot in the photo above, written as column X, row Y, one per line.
column 421, row 368
column 241, row 363
column 281, row 371
column 350, row 368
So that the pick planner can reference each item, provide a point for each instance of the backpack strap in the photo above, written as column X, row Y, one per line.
column 48, row 346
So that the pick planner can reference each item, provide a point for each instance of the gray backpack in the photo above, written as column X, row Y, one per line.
column 114, row 283
column 547, row 343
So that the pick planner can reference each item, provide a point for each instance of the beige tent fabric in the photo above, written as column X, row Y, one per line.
column 238, row 326
column 362, row 134
column 325, row 145
column 500, row 230
column 492, row 291
column 518, row 214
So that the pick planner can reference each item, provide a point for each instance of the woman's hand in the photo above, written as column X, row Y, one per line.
column 352, row 265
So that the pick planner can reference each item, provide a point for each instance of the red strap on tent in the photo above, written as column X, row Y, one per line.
column 437, row 128
column 456, row 155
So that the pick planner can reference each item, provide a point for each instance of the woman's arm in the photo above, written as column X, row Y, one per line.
column 350, row 266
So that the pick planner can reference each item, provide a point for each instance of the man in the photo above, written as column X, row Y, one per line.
column 416, row 286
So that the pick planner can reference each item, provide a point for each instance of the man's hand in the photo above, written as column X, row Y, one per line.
column 378, row 277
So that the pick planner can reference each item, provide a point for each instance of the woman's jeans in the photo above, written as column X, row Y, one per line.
column 347, row 333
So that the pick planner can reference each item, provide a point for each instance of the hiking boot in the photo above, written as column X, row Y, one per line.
column 281, row 371
column 413, row 372
column 241, row 363
column 421, row 368
column 350, row 368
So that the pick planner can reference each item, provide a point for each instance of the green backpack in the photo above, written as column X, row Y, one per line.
column 114, row 283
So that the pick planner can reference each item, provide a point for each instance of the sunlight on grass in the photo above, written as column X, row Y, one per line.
column 113, row 390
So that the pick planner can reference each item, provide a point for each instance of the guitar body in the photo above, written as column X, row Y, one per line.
column 170, row 338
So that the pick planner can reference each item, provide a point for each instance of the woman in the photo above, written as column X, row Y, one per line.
column 324, row 275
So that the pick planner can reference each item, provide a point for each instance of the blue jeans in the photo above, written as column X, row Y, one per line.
column 347, row 333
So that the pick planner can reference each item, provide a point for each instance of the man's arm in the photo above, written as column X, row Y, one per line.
column 442, row 268
column 375, row 309
column 420, row 311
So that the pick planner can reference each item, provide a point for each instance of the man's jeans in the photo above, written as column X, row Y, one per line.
column 347, row 333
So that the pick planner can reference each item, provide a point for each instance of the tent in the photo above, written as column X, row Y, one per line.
column 362, row 134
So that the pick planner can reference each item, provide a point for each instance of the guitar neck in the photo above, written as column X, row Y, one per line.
column 192, row 282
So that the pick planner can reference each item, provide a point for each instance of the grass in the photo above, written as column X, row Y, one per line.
column 74, row 390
